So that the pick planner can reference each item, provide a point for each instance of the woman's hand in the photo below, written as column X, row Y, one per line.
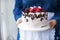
column 52, row 23
column 19, row 21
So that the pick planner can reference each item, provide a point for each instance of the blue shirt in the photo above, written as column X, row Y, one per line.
column 48, row 5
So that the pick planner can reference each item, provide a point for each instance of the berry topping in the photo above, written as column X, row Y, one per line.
column 31, row 10
column 38, row 10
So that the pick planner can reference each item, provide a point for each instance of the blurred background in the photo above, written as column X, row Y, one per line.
column 8, row 28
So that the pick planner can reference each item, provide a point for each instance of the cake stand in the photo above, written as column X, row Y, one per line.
column 21, row 26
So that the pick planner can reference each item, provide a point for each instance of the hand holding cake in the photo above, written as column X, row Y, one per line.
column 36, row 16
column 19, row 21
column 52, row 23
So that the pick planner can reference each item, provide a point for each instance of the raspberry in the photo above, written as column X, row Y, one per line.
column 39, row 9
column 31, row 10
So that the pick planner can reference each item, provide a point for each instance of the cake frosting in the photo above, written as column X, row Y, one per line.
column 34, row 17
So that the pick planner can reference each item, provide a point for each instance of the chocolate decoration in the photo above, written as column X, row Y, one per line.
column 39, row 15
column 41, row 19
column 27, row 10
column 32, row 17
column 46, row 18
column 46, row 15
column 24, row 16
column 24, row 11
column 35, row 16
column 43, row 15
column 26, row 20
column 28, row 15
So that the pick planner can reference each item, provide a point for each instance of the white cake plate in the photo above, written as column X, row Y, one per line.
column 23, row 27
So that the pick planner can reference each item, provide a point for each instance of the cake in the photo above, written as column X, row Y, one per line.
column 35, row 17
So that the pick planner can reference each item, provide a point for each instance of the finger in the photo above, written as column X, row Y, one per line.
column 19, row 22
column 51, row 25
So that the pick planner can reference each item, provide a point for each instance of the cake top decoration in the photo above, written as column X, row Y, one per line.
column 33, row 9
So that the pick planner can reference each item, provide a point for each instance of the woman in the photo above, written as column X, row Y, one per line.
column 49, row 6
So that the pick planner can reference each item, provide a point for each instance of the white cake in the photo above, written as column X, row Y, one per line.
column 34, row 18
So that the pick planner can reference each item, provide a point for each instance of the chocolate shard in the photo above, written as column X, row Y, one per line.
column 41, row 19
column 28, row 15
column 32, row 17
column 35, row 15
column 26, row 20
column 43, row 15
column 26, row 10
column 40, row 15
column 46, row 15
column 24, row 16
column 46, row 18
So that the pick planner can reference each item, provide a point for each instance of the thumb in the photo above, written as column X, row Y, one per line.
column 52, row 24
column 19, row 21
